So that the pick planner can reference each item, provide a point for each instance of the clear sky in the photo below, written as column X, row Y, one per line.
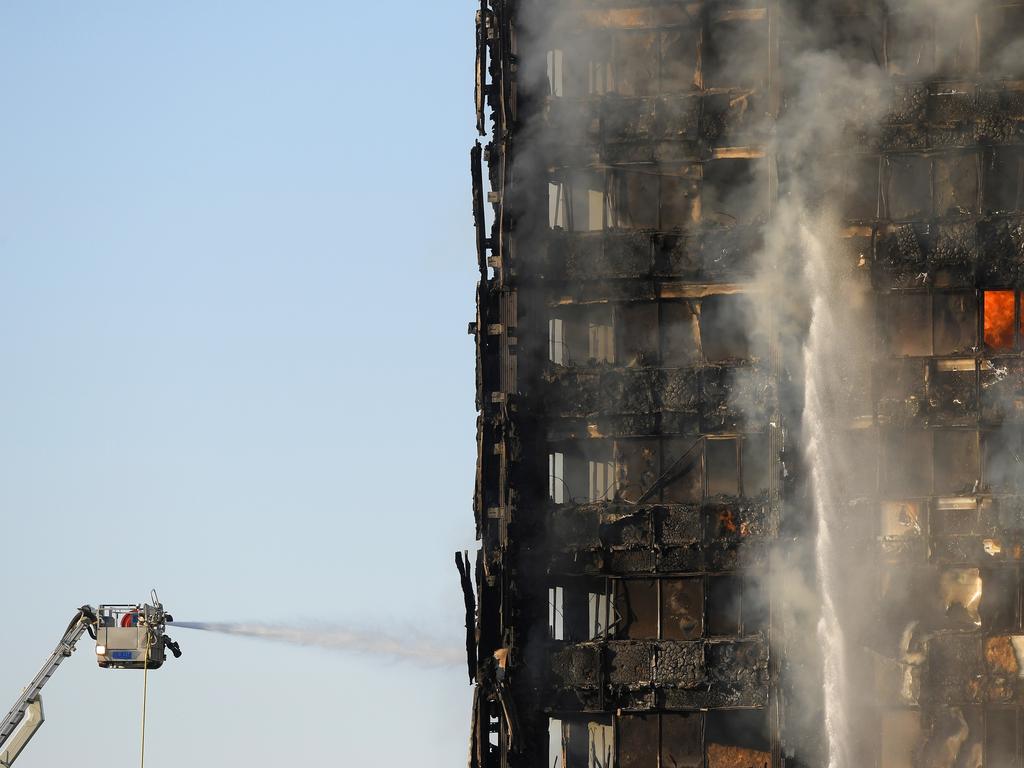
column 236, row 270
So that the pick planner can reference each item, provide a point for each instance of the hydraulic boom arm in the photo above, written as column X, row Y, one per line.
column 28, row 709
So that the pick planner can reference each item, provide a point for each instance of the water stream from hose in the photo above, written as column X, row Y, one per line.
column 411, row 647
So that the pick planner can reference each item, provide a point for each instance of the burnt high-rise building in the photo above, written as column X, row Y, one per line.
column 750, row 385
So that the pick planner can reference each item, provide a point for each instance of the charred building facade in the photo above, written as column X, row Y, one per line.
column 750, row 382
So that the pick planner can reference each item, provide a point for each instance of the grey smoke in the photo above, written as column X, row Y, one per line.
column 413, row 647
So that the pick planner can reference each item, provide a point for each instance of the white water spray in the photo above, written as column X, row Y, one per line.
column 412, row 647
column 823, row 358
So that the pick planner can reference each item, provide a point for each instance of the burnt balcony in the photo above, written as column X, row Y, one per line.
column 659, row 674
column 719, row 534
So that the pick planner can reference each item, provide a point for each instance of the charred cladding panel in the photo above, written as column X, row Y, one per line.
column 750, row 380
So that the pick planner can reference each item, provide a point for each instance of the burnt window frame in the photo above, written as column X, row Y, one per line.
column 574, row 729
column 988, row 438
column 973, row 159
column 569, row 181
column 971, row 296
column 893, row 301
column 989, row 728
column 987, row 47
column 690, row 310
column 853, row 184
column 891, row 450
column 695, row 446
column 576, row 80
column 617, row 203
column 913, row 72
column 755, row 179
column 576, row 323
column 758, row 28
column 749, row 596
column 892, row 167
column 577, row 458
column 580, row 621
column 659, row 746
column 991, row 206
column 571, row 318
column 891, row 163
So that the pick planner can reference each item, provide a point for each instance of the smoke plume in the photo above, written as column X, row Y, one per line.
column 411, row 647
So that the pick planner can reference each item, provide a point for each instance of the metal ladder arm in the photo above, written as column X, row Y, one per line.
column 28, row 708
column 29, row 725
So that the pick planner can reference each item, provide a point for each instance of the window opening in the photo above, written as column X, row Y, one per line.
column 956, row 184
column 682, row 736
column 576, row 203
column 680, row 334
column 734, row 191
column 999, row 599
column 726, row 325
column 682, row 467
column 601, row 342
column 1004, row 180
column 601, row 743
column 556, row 477
column 599, row 614
column 961, row 591
column 722, row 467
column 558, row 205
column 638, row 741
column 723, row 605
column 599, row 77
column 682, row 609
column 900, row 519
column 634, row 199
column 556, row 80
column 910, row 324
column 955, row 318
column 1002, row 728
column 601, row 480
column 909, row 187
column 675, row 738
column 736, row 54
column 556, row 743
column 909, row 44
column 1004, row 461
column 901, row 733
column 907, row 466
column 637, row 326
column 756, row 470
column 1000, row 42
column 737, row 737
column 580, row 743
column 957, row 462
column 556, row 341
column 556, row 612
column 637, row 604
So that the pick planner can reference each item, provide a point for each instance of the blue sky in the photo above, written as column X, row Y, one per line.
column 236, row 270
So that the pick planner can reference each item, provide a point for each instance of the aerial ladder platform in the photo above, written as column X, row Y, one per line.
column 128, row 636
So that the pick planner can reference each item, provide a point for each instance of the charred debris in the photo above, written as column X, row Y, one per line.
column 640, row 470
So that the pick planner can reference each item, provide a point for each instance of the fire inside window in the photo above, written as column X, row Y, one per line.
column 1002, row 320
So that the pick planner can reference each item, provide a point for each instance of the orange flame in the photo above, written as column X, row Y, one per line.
column 726, row 520
column 999, row 310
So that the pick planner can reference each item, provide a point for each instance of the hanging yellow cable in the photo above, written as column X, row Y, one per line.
column 145, row 693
